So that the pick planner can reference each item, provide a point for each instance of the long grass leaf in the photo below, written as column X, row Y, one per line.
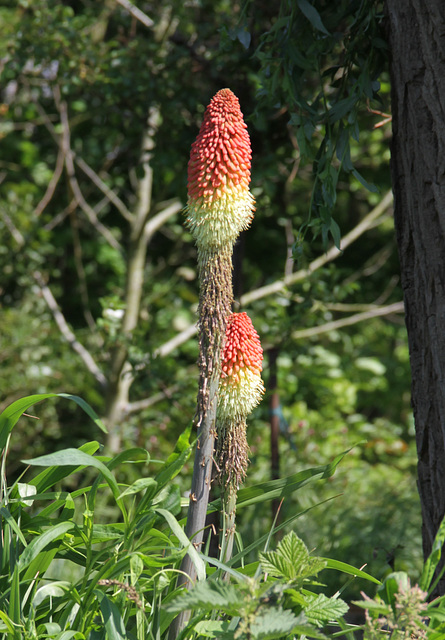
column 179, row 533
column 70, row 457
column 10, row 416
column 51, row 476
column 38, row 544
column 349, row 569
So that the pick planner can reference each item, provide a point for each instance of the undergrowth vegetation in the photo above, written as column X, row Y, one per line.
column 66, row 571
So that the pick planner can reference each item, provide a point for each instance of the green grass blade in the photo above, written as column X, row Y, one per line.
column 13, row 524
column 70, row 457
column 179, row 533
column 114, row 625
column 14, row 610
column 53, row 475
column 349, row 569
column 10, row 416
column 38, row 544
column 277, row 489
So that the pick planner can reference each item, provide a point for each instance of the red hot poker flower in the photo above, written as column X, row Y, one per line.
column 220, row 204
column 241, row 386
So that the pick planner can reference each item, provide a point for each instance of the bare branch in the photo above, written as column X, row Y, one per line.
column 16, row 234
column 371, row 220
column 179, row 339
column 333, row 253
column 69, row 163
column 160, row 218
column 51, row 185
column 396, row 307
column 67, row 333
column 139, row 405
column 100, row 184
column 136, row 13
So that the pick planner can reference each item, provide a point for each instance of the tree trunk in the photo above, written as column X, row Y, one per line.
column 417, row 46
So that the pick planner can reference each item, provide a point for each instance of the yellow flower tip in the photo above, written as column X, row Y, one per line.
column 220, row 204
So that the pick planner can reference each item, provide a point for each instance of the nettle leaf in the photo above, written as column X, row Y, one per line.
column 291, row 560
column 321, row 609
column 273, row 622
column 209, row 596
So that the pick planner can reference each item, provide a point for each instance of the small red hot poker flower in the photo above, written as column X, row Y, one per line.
column 241, row 386
column 220, row 204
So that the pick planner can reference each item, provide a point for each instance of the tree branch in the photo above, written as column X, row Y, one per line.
column 69, row 164
column 396, row 307
column 161, row 218
column 371, row 220
column 66, row 331
column 136, row 13
column 100, row 184
column 51, row 185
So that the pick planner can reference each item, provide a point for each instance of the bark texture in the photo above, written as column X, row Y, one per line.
column 416, row 32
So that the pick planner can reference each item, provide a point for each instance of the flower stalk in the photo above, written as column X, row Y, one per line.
column 219, row 207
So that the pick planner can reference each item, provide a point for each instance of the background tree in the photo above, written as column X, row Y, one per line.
column 417, row 47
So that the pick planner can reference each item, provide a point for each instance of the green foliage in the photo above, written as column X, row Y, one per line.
column 304, row 72
column 323, row 70
column 291, row 561
column 273, row 604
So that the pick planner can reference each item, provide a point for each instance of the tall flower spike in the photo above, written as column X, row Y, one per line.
column 220, row 204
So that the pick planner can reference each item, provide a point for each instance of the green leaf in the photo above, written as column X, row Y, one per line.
column 10, row 416
column 312, row 15
column 349, row 569
column 361, row 179
column 54, row 475
column 70, row 457
column 433, row 559
column 14, row 609
column 208, row 595
column 321, row 609
column 392, row 584
column 291, row 560
column 277, row 489
column 38, row 544
column 211, row 628
column 177, row 459
column 188, row 546
column 13, row 524
column 335, row 233
column 273, row 622
column 114, row 625
column 141, row 485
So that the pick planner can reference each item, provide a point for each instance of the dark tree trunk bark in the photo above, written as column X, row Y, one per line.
column 417, row 46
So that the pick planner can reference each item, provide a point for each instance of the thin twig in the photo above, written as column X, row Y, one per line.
column 371, row 220
column 51, row 185
column 69, row 164
column 16, row 234
column 100, row 184
column 66, row 331
column 160, row 218
column 136, row 13
column 396, row 307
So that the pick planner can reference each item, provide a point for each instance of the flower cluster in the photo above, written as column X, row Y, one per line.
column 241, row 386
column 220, row 204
